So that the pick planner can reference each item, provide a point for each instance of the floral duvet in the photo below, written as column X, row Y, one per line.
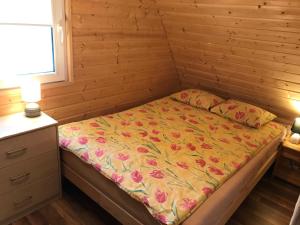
column 165, row 154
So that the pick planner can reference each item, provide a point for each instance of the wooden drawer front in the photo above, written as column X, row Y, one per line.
column 24, row 198
column 288, row 170
column 291, row 154
column 28, row 171
column 24, row 146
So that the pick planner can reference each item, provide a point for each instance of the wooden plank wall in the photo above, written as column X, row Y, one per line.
column 246, row 49
column 121, row 59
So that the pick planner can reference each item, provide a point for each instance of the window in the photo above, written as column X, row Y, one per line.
column 32, row 41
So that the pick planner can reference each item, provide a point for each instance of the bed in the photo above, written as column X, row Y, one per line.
column 166, row 162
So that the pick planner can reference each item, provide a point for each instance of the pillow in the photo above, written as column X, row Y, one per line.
column 243, row 113
column 197, row 98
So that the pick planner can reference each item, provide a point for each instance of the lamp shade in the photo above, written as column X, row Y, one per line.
column 31, row 91
column 296, row 126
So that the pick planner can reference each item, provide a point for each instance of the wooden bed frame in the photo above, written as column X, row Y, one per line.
column 126, row 218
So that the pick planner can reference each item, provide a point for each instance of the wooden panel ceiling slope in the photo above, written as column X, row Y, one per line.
column 245, row 49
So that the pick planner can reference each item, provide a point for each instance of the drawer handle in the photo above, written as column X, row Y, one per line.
column 23, row 202
column 20, row 178
column 15, row 153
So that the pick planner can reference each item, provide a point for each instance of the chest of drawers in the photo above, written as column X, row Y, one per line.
column 29, row 165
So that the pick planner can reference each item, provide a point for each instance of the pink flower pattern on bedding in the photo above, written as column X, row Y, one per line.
column 168, row 155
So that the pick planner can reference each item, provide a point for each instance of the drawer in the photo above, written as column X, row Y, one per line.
column 291, row 154
column 28, row 145
column 288, row 170
column 27, row 197
column 25, row 172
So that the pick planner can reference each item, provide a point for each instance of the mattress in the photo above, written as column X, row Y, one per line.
column 169, row 156
column 209, row 213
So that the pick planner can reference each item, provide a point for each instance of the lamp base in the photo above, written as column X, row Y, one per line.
column 295, row 138
column 32, row 110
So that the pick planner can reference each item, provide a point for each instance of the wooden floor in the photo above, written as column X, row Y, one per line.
column 270, row 203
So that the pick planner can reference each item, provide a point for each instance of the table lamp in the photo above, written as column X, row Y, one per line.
column 31, row 94
column 295, row 138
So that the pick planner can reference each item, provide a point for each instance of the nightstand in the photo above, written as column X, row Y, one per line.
column 287, row 166
column 29, row 165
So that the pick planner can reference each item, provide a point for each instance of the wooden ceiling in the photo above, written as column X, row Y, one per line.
column 247, row 49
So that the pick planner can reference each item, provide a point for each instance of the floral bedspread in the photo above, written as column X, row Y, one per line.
column 166, row 154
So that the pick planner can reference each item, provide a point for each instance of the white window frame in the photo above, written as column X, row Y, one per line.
column 60, row 50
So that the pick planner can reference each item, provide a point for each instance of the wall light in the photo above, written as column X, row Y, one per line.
column 296, row 104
